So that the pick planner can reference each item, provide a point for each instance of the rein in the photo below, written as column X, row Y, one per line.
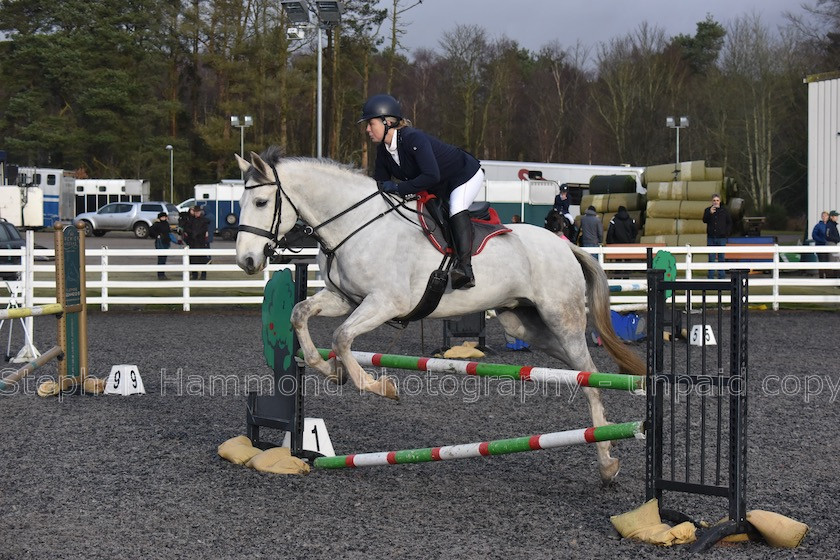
column 275, row 242
column 272, row 234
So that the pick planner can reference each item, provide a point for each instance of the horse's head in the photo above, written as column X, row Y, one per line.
column 266, row 213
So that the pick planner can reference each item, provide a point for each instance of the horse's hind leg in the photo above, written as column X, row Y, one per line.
column 568, row 344
column 323, row 303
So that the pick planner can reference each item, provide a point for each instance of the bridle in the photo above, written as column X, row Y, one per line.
column 276, row 242
column 271, row 234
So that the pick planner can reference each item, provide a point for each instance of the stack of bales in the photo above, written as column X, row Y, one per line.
column 674, row 213
column 607, row 193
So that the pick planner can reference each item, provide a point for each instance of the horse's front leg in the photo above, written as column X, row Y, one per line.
column 327, row 304
column 371, row 313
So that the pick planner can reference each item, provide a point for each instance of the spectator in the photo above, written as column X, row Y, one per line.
column 818, row 235
column 163, row 236
column 832, row 238
column 718, row 228
column 196, row 235
column 622, row 228
column 516, row 219
column 591, row 230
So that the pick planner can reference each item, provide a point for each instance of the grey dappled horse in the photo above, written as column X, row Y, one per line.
column 380, row 263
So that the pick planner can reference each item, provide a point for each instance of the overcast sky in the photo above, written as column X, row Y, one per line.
column 534, row 23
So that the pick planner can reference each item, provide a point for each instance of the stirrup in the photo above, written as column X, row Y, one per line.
column 462, row 278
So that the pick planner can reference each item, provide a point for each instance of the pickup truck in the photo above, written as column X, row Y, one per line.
column 125, row 216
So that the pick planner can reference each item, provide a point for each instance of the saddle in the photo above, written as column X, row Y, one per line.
column 433, row 215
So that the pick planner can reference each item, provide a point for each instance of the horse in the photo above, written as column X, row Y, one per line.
column 375, row 261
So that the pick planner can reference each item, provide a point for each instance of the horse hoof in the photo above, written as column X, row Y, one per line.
column 609, row 471
column 387, row 388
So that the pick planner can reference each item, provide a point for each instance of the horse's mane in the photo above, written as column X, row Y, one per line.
column 273, row 155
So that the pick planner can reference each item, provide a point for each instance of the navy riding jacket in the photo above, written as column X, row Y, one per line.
column 426, row 164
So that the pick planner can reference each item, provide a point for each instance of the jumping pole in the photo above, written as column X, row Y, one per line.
column 53, row 353
column 486, row 448
column 525, row 373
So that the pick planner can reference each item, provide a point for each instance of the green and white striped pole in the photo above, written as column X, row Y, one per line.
column 526, row 373
column 486, row 448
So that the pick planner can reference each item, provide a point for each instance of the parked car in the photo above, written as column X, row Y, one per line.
column 126, row 216
column 10, row 238
column 187, row 204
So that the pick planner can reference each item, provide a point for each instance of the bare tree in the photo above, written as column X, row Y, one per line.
column 465, row 49
column 395, row 15
column 751, row 66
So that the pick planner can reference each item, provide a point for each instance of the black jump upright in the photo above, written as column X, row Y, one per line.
column 283, row 409
column 697, row 398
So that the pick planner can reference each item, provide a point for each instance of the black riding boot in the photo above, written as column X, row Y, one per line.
column 462, row 238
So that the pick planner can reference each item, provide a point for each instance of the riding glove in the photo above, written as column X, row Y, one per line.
column 389, row 187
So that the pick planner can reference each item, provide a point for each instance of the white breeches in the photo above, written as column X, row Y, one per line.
column 461, row 198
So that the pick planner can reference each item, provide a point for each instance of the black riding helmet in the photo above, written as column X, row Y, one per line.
column 380, row 105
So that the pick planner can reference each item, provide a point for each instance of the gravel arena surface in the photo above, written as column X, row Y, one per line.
column 138, row 477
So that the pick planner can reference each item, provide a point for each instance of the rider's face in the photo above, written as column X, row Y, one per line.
column 376, row 130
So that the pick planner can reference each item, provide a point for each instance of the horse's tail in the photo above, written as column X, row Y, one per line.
column 598, row 298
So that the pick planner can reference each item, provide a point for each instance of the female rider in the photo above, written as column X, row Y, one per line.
column 421, row 162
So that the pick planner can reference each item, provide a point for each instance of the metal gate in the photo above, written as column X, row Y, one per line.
column 697, row 398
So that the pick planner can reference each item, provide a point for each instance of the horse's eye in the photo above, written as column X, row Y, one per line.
column 261, row 203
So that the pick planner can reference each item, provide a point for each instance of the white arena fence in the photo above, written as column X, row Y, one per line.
column 129, row 276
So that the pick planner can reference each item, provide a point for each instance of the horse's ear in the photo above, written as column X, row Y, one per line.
column 243, row 165
column 261, row 165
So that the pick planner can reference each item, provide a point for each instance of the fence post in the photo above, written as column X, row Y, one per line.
column 689, row 262
column 776, row 277
column 104, row 277
column 185, row 260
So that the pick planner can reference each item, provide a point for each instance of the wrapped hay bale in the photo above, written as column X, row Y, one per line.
column 656, row 173
column 714, row 173
column 693, row 239
column 692, row 170
column 684, row 227
column 663, row 209
column 666, row 239
column 659, row 190
column 612, row 184
column 660, row 226
column 631, row 201
column 678, row 190
column 692, row 209
column 703, row 190
column 611, row 202
column 599, row 201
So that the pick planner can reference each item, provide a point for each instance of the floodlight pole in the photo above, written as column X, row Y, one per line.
column 671, row 122
column 241, row 123
column 320, row 93
column 327, row 14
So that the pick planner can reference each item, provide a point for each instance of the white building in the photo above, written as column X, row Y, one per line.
column 823, row 145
